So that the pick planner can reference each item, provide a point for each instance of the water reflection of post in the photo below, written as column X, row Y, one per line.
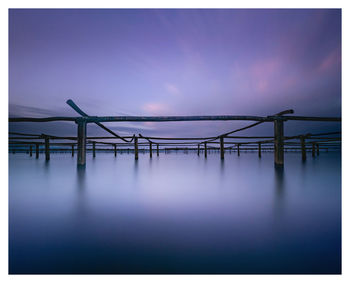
column 80, row 178
column 136, row 169
column 279, row 197
column 279, row 181
column 222, row 167
column 80, row 208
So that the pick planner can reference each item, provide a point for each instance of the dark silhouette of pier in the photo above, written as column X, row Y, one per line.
column 279, row 143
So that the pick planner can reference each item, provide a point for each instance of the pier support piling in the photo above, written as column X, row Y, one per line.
column 318, row 149
column 198, row 149
column 81, row 142
column 47, row 148
column 278, row 143
column 136, row 148
column 259, row 144
column 205, row 149
column 115, row 150
column 313, row 149
column 222, row 150
column 93, row 149
column 30, row 150
column 36, row 150
column 303, row 149
column 238, row 152
column 150, row 150
column 72, row 150
column 157, row 149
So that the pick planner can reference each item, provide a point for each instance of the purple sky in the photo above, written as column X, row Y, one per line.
column 174, row 62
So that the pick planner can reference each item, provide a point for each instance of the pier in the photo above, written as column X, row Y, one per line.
column 224, row 142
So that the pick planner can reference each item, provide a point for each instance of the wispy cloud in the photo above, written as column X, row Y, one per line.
column 172, row 89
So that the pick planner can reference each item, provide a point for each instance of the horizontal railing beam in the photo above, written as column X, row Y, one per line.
column 94, row 119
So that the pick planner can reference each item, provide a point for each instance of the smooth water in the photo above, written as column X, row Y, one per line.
column 176, row 213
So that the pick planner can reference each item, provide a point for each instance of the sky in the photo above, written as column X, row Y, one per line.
column 174, row 62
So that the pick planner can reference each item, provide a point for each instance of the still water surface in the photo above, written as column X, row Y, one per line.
column 176, row 213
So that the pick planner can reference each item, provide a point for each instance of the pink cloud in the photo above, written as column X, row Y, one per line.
column 330, row 60
column 156, row 108
column 264, row 73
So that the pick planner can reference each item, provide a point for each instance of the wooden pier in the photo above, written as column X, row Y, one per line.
column 279, row 141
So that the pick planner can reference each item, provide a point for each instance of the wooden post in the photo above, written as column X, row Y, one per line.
column 37, row 150
column 313, row 149
column 30, row 151
column 205, row 149
column 157, row 149
column 81, row 142
column 150, row 150
column 72, row 150
column 318, row 149
column 238, row 153
column 259, row 149
column 198, row 149
column 47, row 148
column 222, row 150
column 115, row 150
column 303, row 150
column 136, row 148
column 278, row 142
column 93, row 149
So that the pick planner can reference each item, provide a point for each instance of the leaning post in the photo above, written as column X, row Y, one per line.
column 303, row 149
column 81, row 141
column 222, row 150
column 278, row 142
column 136, row 148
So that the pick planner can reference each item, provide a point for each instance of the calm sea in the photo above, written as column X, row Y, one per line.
column 176, row 213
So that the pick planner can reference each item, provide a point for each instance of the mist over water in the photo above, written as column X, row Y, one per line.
column 176, row 213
